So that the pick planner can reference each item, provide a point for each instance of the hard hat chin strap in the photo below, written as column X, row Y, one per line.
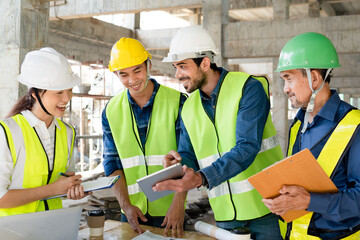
column 311, row 104
column 40, row 102
column 147, row 71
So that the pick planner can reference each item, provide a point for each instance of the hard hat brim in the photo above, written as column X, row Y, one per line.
column 68, row 85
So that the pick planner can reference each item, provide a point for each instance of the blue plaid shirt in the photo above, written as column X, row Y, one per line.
column 111, row 157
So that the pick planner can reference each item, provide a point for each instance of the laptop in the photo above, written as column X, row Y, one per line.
column 59, row 224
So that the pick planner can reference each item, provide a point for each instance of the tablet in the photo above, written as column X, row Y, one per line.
column 146, row 183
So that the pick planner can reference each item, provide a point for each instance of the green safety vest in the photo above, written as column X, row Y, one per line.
column 329, row 157
column 137, row 161
column 234, row 199
column 30, row 160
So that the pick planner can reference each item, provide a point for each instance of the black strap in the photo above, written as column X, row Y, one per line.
column 39, row 100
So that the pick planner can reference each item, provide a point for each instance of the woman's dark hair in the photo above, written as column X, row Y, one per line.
column 25, row 102
column 199, row 60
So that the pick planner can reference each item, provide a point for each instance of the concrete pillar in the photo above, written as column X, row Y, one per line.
column 347, row 98
column 137, row 21
column 357, row 102
column 281, row 9
column 195, row 18
column 280, row 100
column 314, row 9
column 23, row 27
column 279, row 108
column 215, row 14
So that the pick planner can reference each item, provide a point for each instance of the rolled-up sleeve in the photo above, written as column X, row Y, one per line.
column 111, row 157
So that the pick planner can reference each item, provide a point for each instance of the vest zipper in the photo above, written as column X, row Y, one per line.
column 217, row 136
column 146, row 167
column 134, row 130
column 48, row 163
column 288, row 231
column 146, row 137
column 139, row 140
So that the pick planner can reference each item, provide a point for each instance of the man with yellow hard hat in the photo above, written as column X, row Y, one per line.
column 141, row 125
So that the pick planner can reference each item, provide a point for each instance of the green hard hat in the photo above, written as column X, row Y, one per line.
column 308, row 50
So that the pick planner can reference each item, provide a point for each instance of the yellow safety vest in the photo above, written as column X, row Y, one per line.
column 328, row 159
column 234, row 199
column 28, row 153
column 137, row 161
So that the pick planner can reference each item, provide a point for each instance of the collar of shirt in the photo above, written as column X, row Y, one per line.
column 328, row 111
column 34, row 121
column 151, row 100
column 215, row 92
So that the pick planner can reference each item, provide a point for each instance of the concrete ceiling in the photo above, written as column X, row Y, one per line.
column 342, row 26
column 263, row 10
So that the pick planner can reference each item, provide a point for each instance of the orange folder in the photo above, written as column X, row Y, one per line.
column 300, row 169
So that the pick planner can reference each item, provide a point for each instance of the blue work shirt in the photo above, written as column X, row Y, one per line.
column 253, row 110
column 111, row 157
column 336, row 211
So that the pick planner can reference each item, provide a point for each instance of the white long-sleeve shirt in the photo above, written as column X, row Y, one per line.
column 47, row 138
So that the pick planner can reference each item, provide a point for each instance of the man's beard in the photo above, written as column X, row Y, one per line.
column 198, row 82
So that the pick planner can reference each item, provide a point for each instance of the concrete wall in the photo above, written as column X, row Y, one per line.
column 266, row 39
column 85, row 40
column 23, row 27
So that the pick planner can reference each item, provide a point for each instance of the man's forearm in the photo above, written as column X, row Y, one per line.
column 120, row 189
column 180, row 198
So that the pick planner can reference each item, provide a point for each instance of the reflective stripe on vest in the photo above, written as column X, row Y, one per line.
column 234, row 199
column 30, row 160
column 161, row 138
column 328, row 159
column 133, row 189
column 140, row 160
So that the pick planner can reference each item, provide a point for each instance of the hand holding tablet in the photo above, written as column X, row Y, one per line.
column 146, row 183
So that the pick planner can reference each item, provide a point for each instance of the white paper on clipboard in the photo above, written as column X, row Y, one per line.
column 100, row 183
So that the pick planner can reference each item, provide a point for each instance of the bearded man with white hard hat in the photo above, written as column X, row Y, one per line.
column 227, row 135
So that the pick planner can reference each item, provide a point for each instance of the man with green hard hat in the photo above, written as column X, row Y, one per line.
column 328, row 127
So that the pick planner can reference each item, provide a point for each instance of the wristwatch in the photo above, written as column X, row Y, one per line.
column 204, row 183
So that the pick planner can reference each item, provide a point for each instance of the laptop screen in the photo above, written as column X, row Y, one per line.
column 53, row 224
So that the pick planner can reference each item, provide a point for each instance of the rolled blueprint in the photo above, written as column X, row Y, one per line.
column 218, row 233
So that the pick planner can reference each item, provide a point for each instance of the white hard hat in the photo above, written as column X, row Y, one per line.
column 191, row 42
column 47, row 69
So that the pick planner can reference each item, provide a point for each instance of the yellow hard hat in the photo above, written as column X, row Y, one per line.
column 127, row 52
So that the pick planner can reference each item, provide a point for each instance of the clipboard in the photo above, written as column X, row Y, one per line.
column 94, row 185
column 301, row 169
column 146, row 183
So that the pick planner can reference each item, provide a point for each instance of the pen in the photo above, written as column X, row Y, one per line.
column 63, row 174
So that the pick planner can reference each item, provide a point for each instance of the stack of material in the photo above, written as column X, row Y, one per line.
column 101, row 199
column 106, row 200
column 197, row 209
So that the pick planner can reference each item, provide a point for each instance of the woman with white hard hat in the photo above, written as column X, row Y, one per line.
column 36, row 146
